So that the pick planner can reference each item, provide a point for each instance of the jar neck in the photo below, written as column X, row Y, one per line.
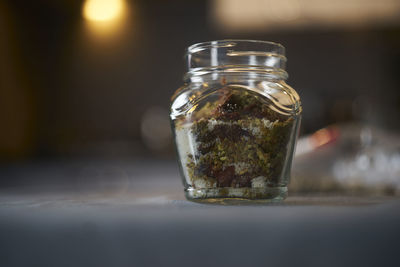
column 210, row 61
column 233, row 73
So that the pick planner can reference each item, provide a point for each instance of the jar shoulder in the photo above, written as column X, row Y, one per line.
column 277, row 94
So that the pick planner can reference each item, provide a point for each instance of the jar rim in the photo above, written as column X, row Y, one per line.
column 254, row 45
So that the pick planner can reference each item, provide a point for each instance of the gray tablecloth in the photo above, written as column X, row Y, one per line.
column 133, row 213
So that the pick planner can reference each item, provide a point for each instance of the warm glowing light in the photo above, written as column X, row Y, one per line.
column 321, row 137
column 102, row 10
column 324, row 136
column 266, row 15
column 318, row 139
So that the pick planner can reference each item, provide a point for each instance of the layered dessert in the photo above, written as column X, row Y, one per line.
column 234, row 145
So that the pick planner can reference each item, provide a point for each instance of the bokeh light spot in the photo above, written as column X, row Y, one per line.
column 102, row 10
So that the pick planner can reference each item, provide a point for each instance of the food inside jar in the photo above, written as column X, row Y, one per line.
column 235, row 140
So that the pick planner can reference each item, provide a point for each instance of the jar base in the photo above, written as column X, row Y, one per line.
column 237, row 196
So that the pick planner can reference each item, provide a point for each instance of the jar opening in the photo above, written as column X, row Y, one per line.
column 248, row 55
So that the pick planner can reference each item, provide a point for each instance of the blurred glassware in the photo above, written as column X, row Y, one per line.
column 349, row 159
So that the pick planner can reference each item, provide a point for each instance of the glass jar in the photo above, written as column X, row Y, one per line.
column 235, row 122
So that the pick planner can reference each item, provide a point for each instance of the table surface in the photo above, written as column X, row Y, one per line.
column 133, row 213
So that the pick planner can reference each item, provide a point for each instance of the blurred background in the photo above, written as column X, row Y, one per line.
column 93, row 79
